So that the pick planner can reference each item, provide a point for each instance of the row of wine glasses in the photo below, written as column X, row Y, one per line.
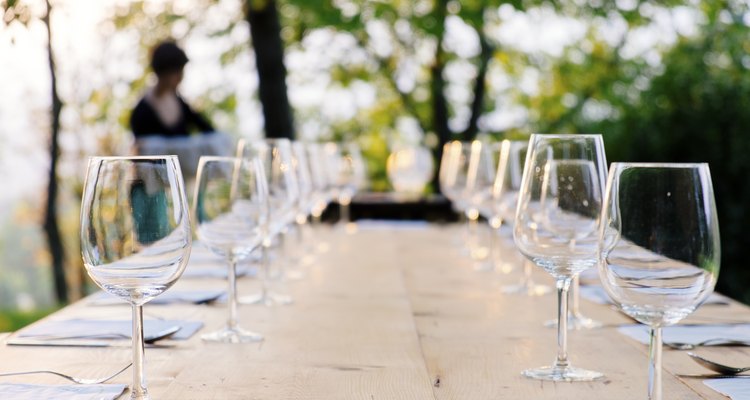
column 650, row 228
column 136, row 234
column 483, row 180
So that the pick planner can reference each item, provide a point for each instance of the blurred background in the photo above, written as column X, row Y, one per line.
column 663, row 80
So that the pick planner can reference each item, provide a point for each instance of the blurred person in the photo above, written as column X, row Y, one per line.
column 163, row 123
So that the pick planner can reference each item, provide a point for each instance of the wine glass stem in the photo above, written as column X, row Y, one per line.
column 494, row 248
column 265, row 269
column 232, row 290
column 654, row 367
column 138, row 389
column 563, row 285
column 345, row 200
column 472, row 228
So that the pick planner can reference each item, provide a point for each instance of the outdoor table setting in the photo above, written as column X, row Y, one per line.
column 240, row 293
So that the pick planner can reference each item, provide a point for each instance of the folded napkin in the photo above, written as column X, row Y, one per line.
column 106, row 329
column 692, row 334
column 734, row 388
column 217, row 271
column 20, row 391
column 391, row 225
column 597, row 294
column 168, row 297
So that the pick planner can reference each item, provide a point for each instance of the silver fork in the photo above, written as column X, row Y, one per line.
column 73, row 379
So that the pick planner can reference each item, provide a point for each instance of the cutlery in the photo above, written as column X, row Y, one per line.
column 82, row 381
column 717, row 367
column 707, row 342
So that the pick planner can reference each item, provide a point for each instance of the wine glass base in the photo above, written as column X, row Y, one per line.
column 269, row 300
column 562, row 374
column 232, row 335
column 531, row 289
column 576, row 322
column 142, row 396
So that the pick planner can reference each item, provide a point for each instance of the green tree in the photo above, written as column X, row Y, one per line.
column 689, row 107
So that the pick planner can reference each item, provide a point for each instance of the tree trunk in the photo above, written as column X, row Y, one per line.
column 479, row 89
column 439, row 103
column 51, row 228
column 265, row 30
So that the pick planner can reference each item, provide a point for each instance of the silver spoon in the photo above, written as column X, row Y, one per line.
column 73, row 379
column 707, row 342
column 716, row 367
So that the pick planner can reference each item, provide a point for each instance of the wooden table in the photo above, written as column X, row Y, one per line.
column 386, row 314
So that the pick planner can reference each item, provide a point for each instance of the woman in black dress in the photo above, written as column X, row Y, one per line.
column 162, row 111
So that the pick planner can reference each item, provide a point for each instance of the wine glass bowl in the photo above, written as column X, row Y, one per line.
column 135, row 235
column 659, row 250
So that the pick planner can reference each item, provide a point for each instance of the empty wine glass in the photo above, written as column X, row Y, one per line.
column 659, row 246
column 305, row 203
column 505, row 196
column 560, row 175
column 275, row 155
column 454, row 170
column 480, row 180
column 135, row 235
column 556, row 224
column 409, row 169
column 322, row 193
column 230, row 208
column 346, row 170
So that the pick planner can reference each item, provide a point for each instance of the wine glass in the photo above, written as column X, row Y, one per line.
column 135, row 235
column 480, row 180
column 454, row 169
column 321, row 184
column 230, row 208
column 557, row 224
column 559, row 175
column 505, row 196
column 304, row 206
column 659, row 249
column 409, row 169
column 346, row 170
column 275, row 155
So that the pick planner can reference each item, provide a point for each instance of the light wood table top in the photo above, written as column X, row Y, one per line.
column 386, row 313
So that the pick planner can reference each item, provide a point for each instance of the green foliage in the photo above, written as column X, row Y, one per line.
column 692, row 107
column 12, row 320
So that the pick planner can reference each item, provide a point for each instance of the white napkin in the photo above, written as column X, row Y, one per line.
column 690, row 333
column 168, row 297
column 597, row 294
column 734, row 388
column 21, row 391
column 217, row 271
column 106, row 329
column 391, row 225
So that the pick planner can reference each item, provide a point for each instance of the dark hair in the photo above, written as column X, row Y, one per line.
column 167, row 57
